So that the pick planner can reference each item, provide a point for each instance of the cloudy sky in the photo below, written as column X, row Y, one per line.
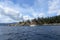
column 18, row 10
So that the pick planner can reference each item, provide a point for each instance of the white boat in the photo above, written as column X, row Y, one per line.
column 32, row 25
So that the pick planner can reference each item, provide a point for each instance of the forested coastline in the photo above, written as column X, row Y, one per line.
column 41, row 21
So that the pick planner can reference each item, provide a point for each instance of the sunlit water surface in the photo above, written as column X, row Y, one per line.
column 30, row 33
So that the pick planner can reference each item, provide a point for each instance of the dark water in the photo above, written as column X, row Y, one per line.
column 30, row 33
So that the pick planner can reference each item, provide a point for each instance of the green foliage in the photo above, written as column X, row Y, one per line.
column 40, row 21
column 49, row 20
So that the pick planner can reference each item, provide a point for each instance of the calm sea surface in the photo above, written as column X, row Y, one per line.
column 30, row 33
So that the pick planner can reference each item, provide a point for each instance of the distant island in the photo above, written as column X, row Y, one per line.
column 55, row 20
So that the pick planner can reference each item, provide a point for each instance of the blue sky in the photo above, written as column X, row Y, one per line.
column 18, row 10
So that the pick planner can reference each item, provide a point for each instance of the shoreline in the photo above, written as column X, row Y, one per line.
column 54, row 24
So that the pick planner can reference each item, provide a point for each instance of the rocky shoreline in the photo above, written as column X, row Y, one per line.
column 17, row 24
column 55, row 20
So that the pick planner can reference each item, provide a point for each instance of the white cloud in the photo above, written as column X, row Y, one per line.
column 42, row 15
column 9, row 11
column 26, row 17
column 6, row 19
column 14, row 12
column 58, row 13
column 54, row 6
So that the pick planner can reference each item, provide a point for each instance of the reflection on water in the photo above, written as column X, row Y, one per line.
column 30, row 33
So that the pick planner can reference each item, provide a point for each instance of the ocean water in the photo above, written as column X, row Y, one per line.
column 29, row 33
